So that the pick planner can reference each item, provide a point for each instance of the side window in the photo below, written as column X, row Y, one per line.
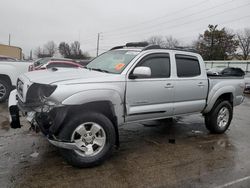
column 187, row 66
column 159, row 65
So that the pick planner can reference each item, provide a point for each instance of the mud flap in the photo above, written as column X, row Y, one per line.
column 14, row 111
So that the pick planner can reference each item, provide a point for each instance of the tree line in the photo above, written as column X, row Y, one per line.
column 214, row 43
column 72, row 51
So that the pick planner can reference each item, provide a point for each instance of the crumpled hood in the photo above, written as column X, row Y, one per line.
column 70, row 76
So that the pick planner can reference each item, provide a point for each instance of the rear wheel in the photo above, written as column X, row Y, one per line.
column 94, row 136
column 5, row 89
column 219, row 119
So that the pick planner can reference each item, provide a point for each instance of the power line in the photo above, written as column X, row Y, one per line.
column 189, row 22
column 156, row 18
column 179, row 18
column 122, row 34
column 179, row 25
column 224, row 22
column 148, row 21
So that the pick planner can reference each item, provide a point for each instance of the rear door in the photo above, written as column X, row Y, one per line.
column 152, row 97
column 191, row 85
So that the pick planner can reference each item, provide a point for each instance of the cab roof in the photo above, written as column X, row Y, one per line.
column 143, row 46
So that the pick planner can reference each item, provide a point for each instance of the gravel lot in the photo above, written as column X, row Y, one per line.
column 178, row 154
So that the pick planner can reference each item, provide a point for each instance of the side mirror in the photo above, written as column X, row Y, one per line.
column 141, row 72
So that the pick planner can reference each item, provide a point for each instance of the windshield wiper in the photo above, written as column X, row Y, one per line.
column 96, row 69
column 100, row 70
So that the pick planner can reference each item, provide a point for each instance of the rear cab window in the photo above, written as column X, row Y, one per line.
column 187, row 66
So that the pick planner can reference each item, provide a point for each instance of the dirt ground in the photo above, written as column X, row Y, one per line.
column 179, row 154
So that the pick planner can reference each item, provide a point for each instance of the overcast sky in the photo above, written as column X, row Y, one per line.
column 32, row 23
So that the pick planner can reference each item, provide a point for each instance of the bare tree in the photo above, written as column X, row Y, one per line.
column 167, row 42
column 171, row 42
column 64, row 49
column 72, row 51
column 38, row 51
column 244, row 42
column 157, row 39
column 76, row 48
column 50, row 48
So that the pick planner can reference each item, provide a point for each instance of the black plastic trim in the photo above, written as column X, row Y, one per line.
column 144, row 113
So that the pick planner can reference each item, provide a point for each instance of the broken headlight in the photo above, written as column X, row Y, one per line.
column 38, row 92
column 46, row 90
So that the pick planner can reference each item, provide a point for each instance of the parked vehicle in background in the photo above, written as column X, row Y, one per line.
column 57, row 64
column 232, row 71
column 43, row 62
column 215, row 70
column 226, row 71
column 80, row 110
column 7, row 58
column 247, row 83
column 9, row 72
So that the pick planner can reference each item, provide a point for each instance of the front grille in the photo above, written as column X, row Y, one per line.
column 19, row 87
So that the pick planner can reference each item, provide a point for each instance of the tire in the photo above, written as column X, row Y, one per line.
column 82, row 159
column 219, row 118
column 5, row 89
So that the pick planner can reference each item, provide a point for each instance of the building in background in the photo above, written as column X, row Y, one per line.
column 11, row 51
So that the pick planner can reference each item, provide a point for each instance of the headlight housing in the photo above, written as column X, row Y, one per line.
column 38, row 92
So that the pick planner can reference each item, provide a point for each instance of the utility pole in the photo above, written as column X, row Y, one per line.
column 9, row 39
column 31, row 55
column 97, row 47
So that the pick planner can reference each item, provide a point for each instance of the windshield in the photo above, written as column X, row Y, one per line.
column 41, row 61
column 113, row 61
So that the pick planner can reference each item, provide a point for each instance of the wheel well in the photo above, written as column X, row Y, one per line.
column 5, row 78
column 104, row 107
column 227, row 97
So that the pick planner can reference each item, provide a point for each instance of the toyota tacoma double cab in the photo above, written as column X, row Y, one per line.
column 80, row 110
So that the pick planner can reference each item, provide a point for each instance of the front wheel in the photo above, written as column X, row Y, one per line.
column 218, row 120
column 94, row 135
column 5, row 89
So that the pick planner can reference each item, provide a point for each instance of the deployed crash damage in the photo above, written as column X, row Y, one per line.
column 35, row 102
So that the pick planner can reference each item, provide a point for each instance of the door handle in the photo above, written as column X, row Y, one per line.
column 169, row 85
column 200, row 84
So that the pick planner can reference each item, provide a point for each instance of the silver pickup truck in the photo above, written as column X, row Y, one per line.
column 80, row 110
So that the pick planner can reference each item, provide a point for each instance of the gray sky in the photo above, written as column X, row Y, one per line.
column 32, row 23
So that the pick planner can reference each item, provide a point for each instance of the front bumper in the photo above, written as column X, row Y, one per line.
column 58, row 115
column 14, row 110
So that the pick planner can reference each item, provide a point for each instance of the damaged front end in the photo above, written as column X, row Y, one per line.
column 34, row 103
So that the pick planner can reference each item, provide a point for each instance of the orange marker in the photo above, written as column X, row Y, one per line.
column 119, row 66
